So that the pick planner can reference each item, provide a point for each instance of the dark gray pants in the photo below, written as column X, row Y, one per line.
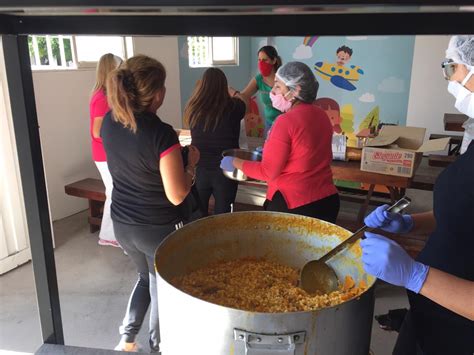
column 140, row 243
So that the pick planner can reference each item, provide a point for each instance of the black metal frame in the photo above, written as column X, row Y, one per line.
column 255, row 25
column 25, row 123
column 14, row 29
column 218, row 3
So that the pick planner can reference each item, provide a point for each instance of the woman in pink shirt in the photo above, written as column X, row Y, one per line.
column 98, row 108
column 297, row 155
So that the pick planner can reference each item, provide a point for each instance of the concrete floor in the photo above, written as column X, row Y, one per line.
column 95, row 282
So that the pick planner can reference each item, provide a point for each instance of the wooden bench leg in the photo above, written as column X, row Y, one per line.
column 396, row 193
column 95, row 217
column 365, row 205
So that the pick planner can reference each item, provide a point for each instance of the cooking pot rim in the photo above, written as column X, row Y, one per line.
column 369, row 288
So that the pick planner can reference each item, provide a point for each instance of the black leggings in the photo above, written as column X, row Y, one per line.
column 211, row 181
column 140, row 242
column 326, row 209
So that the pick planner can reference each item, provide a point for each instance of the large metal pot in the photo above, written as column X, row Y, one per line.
column 192, row 326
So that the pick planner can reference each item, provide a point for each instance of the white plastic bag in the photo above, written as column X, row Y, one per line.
column 339, row 146
column 243, row 142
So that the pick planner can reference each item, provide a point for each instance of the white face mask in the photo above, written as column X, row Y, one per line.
column 464, row 97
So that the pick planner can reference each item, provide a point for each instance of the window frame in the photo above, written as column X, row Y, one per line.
column 217, row 63
column 127, row 48
column 93, row 64
column 232, row 62
column 39, row 67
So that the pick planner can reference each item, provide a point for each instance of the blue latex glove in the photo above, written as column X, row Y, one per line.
column 389, row 221
column 227, row 164
column 387, row 261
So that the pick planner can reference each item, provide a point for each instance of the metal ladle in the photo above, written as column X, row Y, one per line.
column 316, row 275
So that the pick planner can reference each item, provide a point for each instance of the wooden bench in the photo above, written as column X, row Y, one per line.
column 454, row 148
column 454, row 122
column 94, row 191
column 441, row 160
column 454, row 145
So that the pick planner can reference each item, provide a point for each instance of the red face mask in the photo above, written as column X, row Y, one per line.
column 265, row 68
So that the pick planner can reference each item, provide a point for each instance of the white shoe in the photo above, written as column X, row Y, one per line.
column 127, row 347
column 107, row 242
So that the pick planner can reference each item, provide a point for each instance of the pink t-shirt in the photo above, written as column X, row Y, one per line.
column 98, row 107
column 297, row 157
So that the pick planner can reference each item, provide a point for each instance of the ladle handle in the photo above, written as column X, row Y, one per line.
column 397, row 207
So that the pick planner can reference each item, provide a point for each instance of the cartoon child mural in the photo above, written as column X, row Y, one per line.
column 338, row 73
column 254, row 124
column 344, row 55
column 331, row 107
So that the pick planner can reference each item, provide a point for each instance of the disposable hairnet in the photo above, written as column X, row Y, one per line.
column 294, row 74
column 461, row 50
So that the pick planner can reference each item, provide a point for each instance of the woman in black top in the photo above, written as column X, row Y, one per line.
column 149, row 178
column 214, row 119
column 440, row 282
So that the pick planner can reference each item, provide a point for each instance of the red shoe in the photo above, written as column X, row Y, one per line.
column 112, row 243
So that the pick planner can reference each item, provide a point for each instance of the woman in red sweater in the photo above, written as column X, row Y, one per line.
column 297, row 155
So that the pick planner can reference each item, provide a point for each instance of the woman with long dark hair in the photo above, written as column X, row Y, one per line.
column 214, row 119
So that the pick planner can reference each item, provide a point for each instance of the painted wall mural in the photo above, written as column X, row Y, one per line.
column 339, row 74
column 363, row 80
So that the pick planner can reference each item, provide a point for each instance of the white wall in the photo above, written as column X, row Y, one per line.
column 14, row 242
column 165, row 49
column 429, row 98
column 62, row 101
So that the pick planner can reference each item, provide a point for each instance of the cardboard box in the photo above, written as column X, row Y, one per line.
column 398, row 150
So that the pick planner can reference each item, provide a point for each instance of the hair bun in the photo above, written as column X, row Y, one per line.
column 128, row 80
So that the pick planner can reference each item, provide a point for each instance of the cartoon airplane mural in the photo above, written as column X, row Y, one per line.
column 339, row 75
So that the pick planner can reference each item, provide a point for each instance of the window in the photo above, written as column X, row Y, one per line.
column 51, row 52
column 71, row 52
column 212, row 51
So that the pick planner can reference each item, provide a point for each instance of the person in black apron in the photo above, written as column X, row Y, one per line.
column 440, row 282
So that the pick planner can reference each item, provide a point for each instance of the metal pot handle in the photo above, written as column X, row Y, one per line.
column 248, row 343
